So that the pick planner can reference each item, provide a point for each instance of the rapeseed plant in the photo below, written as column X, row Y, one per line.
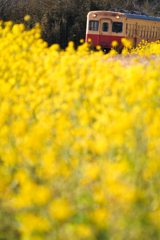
column 79, row 141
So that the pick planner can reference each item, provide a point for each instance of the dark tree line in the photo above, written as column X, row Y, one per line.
column 65, row 20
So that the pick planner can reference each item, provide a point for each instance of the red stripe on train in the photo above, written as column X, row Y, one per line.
column 104, row 41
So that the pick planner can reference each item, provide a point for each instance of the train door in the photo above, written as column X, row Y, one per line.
column 105, row 33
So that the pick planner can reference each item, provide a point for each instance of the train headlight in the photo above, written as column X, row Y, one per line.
column 94, row 15
column 117, row 17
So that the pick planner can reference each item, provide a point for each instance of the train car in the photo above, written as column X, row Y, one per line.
column 103, row 27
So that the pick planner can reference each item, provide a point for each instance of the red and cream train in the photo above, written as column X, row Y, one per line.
column 103, row 27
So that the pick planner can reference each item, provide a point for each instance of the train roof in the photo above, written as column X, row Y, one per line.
column 142, row 17
column 128, row 15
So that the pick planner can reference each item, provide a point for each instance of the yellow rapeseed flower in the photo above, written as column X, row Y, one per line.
column 84, row 231
column 82, row 41
column 114, row 44
column 98, row 48
column 79, row 138
column 126, row 42
column 60, row 210
column 27, row 18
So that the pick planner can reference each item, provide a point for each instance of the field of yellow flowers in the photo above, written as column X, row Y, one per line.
column 79, row 140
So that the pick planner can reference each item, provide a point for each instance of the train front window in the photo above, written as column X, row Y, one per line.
column 105, row 27
column 93, row 25
column 117, row 27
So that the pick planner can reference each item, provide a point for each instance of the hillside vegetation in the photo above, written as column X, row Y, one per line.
column 65, row 20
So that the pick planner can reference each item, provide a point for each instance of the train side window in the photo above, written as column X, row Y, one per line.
column 105, row 27
column 132, row 30
column 150, row 32
column 144, row 31
column 138, row 34
column 126, row 28
column 158, row 32
column 141, row 29
column 93, row 25
column 153, row 32
column 135, row 29
column 147, row 29
column 129, row 30
column 117, row 27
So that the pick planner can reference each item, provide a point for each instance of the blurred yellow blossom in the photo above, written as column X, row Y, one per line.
column 82, row 41
column 99, row 216
column 79, row 139
column 98, row 48
column 84, row 231
column 114, row 44
column 27, row 18
column 60, row 210
column 126, row 42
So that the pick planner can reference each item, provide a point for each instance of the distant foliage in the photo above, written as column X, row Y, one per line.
column 65, row 20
